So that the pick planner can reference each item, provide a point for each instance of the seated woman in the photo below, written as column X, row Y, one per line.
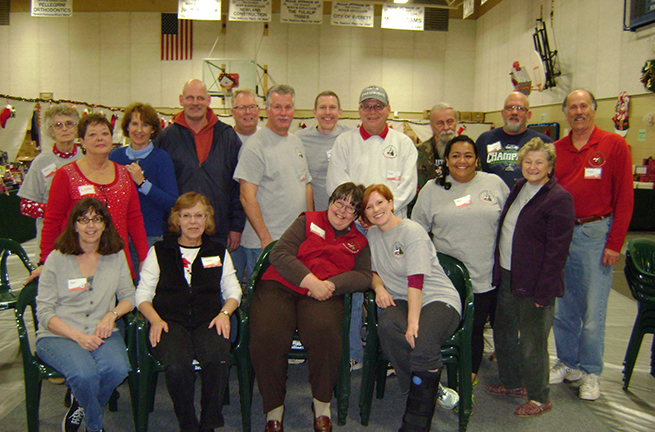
column 185, row 323
column 421, row 308
column 320, row 257
column 536, row 228
column 77, row 311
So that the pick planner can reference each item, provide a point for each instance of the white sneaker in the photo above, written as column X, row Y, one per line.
column 590, row 388
column 355, row 365
column 560, row 372
column 447, row 397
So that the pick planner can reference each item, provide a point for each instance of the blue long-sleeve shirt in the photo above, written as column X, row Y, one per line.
column 159, row 192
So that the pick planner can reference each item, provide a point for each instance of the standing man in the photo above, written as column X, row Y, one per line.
column 499, row 148
column 373, row 153
column 596, row 168
column 245, row 111
column 443, row 122
column 318, row 143
column 273, row 175
column 205, row 152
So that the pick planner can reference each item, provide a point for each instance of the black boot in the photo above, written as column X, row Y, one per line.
column 421, row 402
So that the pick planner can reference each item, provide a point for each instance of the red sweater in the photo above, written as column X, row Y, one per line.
column 323, row 254
column 599, row 176
column 120, row 196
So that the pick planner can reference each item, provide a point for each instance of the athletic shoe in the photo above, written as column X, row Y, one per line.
column 532, row 409
column 560, row 373
column 355, row 365
column 590, row 388
column 447, row 397
column 73, row 419
column 500, row 390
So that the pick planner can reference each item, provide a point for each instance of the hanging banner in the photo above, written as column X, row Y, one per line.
column 352, row 14
column 49, row 8
column 250, row 10
column 403, row 17
column 301, row 11
column 469, row 8
column 209, row 10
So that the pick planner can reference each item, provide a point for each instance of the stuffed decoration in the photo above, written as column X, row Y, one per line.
column 648, row 75
column 7, row 113
column 620, row 119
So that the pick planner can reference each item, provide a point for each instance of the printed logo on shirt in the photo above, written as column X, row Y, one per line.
column 597, row 159
column 390, row 152
column 299, row 153
column 398, row 250
column 509, row 155
column 352, row 246
column 487, row 197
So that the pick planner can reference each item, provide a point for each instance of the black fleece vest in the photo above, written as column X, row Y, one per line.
column 177, row 301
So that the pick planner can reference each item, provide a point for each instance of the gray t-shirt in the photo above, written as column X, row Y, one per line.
column 277, row 165
column 526, row 193
column 318, row 147
column 407, row 250
column 473, row 207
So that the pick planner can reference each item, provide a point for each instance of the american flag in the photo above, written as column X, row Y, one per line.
column 176, row 38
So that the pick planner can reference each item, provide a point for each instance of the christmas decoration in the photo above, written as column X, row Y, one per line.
column 7, row 113
column 648, row 75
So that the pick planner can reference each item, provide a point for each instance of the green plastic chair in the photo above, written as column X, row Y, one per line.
column 8, row 247
column 35, row 370
column 456, row 353
column 149, row 367
column 342, row 390
column 640, row 273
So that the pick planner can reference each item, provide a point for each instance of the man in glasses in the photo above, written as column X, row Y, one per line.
column 245, row 111
column 373, row 153
column 499, row 147
column 318, row 143
column 443, row 122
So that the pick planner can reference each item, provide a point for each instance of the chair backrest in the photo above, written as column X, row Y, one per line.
column 258, row 271
column 642, row 255
column 459, row 276
column 27, row 297
column 8, row 247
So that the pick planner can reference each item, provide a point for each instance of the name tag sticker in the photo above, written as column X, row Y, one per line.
column 49, row 170
column 463, row 201
column 209, row 262
column 86, row 190
column 494, row 147
column 592, row 173
column 317, row 230
column 77, row 284
column 393, row 176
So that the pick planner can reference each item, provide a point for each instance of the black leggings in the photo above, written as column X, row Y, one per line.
column 484, row 306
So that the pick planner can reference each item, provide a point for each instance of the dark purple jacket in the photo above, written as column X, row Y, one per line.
column 541, row 241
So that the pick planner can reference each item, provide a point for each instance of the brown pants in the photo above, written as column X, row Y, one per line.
column 275, row 314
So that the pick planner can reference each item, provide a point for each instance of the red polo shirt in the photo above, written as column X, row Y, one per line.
column 599, row 176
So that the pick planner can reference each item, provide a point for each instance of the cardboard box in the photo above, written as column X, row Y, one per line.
column 465, row 116
column 478, row 117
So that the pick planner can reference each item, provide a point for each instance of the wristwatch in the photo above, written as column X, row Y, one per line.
column 223, row 311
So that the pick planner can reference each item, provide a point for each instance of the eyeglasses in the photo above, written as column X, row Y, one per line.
column 189, row 216
column 95, row 219
column 510, row 108
column 60, row 125
column 376, row 107
column 246, row 108
column 340, row 205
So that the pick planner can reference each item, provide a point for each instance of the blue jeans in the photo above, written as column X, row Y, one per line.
column 252, row 255
column 356, row 319
column 579, row 324
column 91, row 375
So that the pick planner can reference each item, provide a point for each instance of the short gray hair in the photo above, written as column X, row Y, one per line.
column 282, row 89
column 444, row 106
column 246, row 91
column 59, row 109
column 536, row 144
